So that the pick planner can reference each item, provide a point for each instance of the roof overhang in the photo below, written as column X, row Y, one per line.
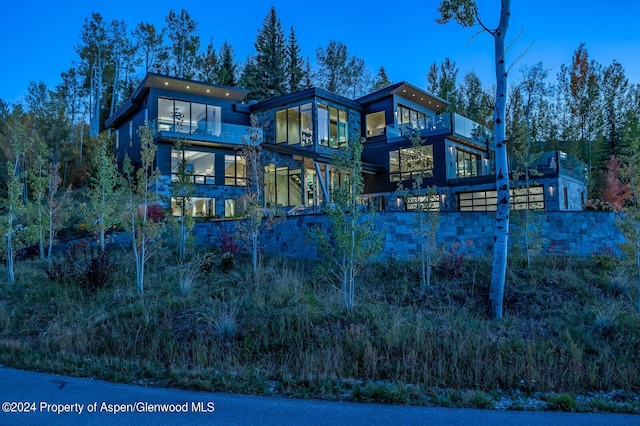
column 420, row 97
column 189, row 86
column 407, row 91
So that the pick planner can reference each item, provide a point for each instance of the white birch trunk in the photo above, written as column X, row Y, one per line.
column 501, row 235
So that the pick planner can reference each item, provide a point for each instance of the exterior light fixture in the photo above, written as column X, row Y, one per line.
column 551, row 190
column 166, row 83
column 187, row 87
column 451, row 150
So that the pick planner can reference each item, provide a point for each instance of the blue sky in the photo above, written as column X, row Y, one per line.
column 37, row 38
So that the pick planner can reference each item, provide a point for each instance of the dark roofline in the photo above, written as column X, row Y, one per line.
column 306, row 94
column 154, row 79
column 398, row 89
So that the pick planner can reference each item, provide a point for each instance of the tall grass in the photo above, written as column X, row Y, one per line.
column 564, row 330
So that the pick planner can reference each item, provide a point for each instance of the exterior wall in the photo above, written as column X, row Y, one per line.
column 130, row 146
column 561, row 233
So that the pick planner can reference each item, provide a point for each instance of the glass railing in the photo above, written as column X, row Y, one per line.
column 444, row 123
column 554, row 162
column 471, row 130
column 429, row 126
column 225, row 133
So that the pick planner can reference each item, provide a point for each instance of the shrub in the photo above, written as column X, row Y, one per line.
column 562, row 402
column 81, row 264
column 451, row 262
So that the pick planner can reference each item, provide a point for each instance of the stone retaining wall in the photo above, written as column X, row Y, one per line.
column 561, row 233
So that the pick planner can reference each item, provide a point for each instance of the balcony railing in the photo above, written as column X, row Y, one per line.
column 226, row 133
column 555, row 162
column 444, row 123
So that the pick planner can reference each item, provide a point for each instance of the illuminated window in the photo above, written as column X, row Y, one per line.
column 235, row 172
column 188, row 117
column 467, row 164
column 375, row 123
column 194, row 165
column 283, row 186
column 295, row 125
column 333, row 127
column 195, row 207
column 408, row 117
column 408, row 163
column 531, row 198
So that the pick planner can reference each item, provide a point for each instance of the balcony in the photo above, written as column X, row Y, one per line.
column 223, row 133
column 554, row 163
column 453, row 124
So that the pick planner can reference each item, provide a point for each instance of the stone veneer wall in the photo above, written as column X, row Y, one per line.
column 562, row 233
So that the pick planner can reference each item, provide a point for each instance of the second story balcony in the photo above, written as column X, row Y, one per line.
column 443, row 124
column 221, row 133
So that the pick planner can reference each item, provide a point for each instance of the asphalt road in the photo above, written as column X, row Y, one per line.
column 30, row 398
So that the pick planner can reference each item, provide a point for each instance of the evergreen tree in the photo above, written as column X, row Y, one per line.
column 226, row 66
column 381, row 81
column 265, row 74
column 294, row 64
column 308, row 75
column 208, row 67
column 616, row 101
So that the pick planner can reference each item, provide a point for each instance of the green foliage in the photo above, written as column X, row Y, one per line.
column 353, row 239
column 427, row 206
column 140, row 197
column 281, row 333
column 104, row 191
column 182, row 31
column 464, row 12
column 253, row 218
column 562, row 402
column 182, row 189
column 265, row 75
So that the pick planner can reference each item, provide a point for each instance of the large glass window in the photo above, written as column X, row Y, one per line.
column 195, row 207
column 198, row 165
column 283, row 186
column 466, row 163
column 229, row 208
column 188, row 117
column 407, row 163
column 333, row 127
column 411, row 118
column 375, row 124
column 306, row 125
column 295, row 125
column 235, row 170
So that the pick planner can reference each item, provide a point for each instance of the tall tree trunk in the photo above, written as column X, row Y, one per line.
column 501, row 234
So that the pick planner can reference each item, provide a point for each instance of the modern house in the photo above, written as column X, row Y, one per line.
column 300, row 134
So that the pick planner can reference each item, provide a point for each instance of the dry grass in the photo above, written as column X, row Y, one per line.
column 285, row 330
